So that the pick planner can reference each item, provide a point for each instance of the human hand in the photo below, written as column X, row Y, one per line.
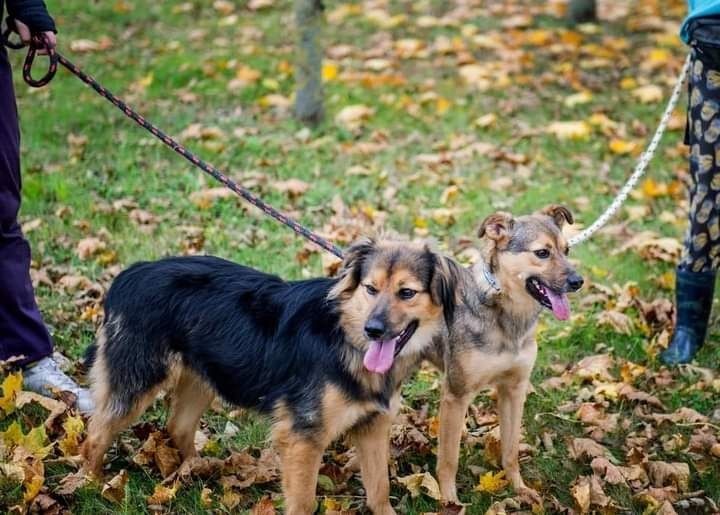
column 26, row 36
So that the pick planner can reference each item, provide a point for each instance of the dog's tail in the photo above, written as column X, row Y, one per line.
column 90, row 355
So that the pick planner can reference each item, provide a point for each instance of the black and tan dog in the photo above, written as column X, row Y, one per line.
column 492, row 338
column 321, row 356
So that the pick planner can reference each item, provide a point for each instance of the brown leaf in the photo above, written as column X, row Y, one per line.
column 618, row 321
column 207, row 197
column 114, row 490
column 167, row 459
column 56, row 408
column 89, row 247
column 292, row 187
column 580, row 492
column 594, row 414
column 70, row 483
column 353, row 116
column 663, row 474
column 594, row 367
column 264, row 506
column 586, row 448
column 629, row 393
column 609, row 472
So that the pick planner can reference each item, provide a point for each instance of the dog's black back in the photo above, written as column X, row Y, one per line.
column 253, row 336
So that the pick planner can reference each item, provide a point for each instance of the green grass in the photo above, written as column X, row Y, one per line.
column 73, row 195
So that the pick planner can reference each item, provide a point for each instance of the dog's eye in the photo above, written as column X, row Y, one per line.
column 567, row 251
column 371, row 289
column 406, row 293
column 542, row 253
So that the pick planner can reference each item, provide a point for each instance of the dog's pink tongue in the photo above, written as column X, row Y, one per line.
column 560, row 304
column 379, row 357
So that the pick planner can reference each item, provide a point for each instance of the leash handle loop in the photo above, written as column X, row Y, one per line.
column 40, row 42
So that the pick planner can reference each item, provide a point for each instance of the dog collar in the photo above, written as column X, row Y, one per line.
column 490, row 278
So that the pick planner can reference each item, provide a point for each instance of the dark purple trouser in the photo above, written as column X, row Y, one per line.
column 22, row 331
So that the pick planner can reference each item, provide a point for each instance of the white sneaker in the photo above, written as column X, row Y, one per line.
column 46, row 373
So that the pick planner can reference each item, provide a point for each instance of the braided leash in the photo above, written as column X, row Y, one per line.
column 642, row 164
column 40, row 43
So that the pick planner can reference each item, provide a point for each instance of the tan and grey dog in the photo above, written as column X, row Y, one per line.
column 492, row 338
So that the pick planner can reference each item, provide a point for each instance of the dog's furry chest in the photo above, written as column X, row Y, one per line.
column 485, row 348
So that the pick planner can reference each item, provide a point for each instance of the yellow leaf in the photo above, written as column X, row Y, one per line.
column 247, row 75
column 162, row 495
column 658, row 56
column 652, row 189
column 32, row 488
column 579, row 130
column 274, row 100
column 13, row 435
column 329, row 71
column 442, row 105
column 492, row 483
column 628, row 83
column 10, row 387
column 35, row 441
column 73, row 427
column 619, row 146
column 583, row 97
column 206, row 497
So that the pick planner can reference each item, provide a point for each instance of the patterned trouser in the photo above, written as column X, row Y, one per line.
column 702, row 242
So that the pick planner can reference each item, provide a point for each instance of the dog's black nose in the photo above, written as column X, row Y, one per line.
column 374, row 328
column 575, row 282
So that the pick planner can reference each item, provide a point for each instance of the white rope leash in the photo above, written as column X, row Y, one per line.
column 642, row 164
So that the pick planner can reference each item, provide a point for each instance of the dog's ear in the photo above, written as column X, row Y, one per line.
column 497, row 227
column 351, row 267
column 444, row 286
column 559, row 214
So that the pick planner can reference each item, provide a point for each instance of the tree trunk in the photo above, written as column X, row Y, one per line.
column 308, row 75
column 582, row 11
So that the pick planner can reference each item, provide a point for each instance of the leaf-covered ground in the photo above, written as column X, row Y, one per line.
column 438, row 114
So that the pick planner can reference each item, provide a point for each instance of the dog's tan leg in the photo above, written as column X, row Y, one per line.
column 372, row 442
column 452, row 422
column 103, row 428
column 511, row 400
column 301, row 459
column 189, row 400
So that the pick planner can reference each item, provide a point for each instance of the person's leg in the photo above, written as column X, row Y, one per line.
column 22, row 331
column 695, row 275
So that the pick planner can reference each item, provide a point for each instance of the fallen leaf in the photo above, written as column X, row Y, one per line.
column 89, row 247
column 264, row 506
column 589, row 449
column 162, row 495
column 422, row 482
column 353, row 116
column 663, row 474
column 11, row 385
column 114, row 490
column 648, row 94
column 492, row 483
column 578, row 130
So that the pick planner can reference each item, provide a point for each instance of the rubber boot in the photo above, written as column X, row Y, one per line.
column 694, row 298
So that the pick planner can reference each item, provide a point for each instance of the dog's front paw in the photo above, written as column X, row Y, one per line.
column 529, row 496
